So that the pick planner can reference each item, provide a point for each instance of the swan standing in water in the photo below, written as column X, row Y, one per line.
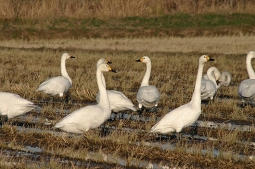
column 210, row 83
column 246, row 89
column 187, row 114
column 92, row 116
column 147, row 95
column 12, row 105
column 58, row 85
column 118, row 101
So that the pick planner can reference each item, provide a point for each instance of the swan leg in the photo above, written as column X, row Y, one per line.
column 243, row 104
column 179, row 136
column 51, row 100
column 140, row 111
column 67, row 97
column 211, row 101
column 104, row 131
column 194, row 130
column 3, row 119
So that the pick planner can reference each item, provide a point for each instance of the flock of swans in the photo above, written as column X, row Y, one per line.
column 148, row 96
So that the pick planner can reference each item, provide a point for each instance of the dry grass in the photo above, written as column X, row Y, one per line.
column 209, row 45
column 22, row 75
column 173, row 72
column 43, row 9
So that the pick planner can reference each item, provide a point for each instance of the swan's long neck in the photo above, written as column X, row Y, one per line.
column 213, row 74
column 103, row 80
column 250, row 70
column 63, row 69
column 103, row 101
column 196, row 97
column 211, row 77
column 145, row 81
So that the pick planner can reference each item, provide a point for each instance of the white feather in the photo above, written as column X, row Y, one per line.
column 187, row 114
column 148, row 95
column 60, row 84
column 92, row 116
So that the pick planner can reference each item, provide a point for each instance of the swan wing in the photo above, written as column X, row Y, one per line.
column 13, row 105
column 118, row 101
column 148, row 94
column 247, row 88
column 83, row 119
column 208, row 89
column 55, row 85
column 177, row 119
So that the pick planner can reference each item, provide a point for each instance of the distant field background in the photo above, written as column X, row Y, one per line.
column 46, row 19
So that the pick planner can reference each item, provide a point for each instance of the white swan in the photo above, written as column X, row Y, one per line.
column 92, row 116
column 225, row 78
column 246, row 89
column 250, row 70
column 147, row 95
column 187, row 114
column 58, row 85
column 118, row 101
column 13, row 105
column 210, row 83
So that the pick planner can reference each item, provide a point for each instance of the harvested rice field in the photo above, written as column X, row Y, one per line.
column 222, row 137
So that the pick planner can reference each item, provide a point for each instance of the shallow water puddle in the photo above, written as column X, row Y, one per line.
column 164, row 146
column 125, row 116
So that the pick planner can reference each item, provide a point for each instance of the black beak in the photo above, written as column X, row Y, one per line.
column 72, row 57
column 113, row 70
column 217, row 82
column 138, row 60
column 109, row 62
column 211, row 59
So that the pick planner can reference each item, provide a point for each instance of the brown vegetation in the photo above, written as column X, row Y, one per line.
column 103, row 9
column 23, row 69
column 35, row 53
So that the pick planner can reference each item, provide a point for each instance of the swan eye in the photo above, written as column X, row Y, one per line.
column 207, row 57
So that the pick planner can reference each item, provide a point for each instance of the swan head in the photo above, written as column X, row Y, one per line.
column 144, row 59
column 105, row 68
column 217, row 82
column 66, row 56
column 205, row 58
column 103, row 60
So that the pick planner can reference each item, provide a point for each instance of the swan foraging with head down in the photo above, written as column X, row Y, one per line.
column 246, row 89
column 92, row 116
column 225, row 78
column 210, row 83
column 148, row 95
column 13, row 105
column 118, row 101
column 58, row 85
column 187, row 114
